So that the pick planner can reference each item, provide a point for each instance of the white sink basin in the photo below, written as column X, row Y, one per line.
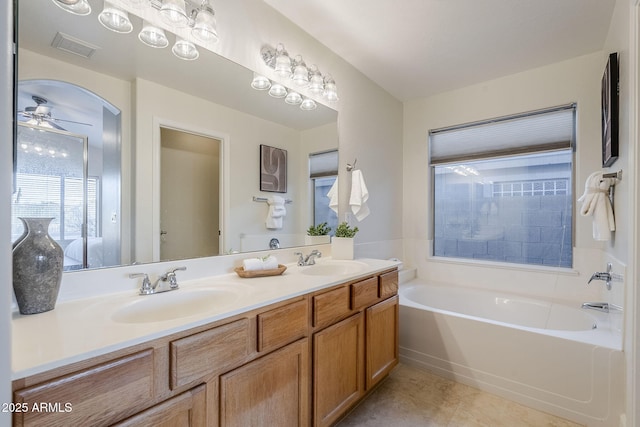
column 334, row 268
column 174, row 304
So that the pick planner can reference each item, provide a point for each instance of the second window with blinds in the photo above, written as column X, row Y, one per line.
column 503, row 188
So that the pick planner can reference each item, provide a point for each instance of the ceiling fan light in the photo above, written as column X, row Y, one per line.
column 115, row 19
column 308, row 104
column 174, row 12
column 293, row 98
column 205, row 26
column 278, row 91
column 77, row 7
column 260, row 82
column 153, row 36
column 184, row 49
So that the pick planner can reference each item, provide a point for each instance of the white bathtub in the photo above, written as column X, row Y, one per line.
column 553, row 357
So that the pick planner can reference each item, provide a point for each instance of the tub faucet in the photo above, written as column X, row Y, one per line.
column 601, row 306
column 604, row 276
column 309, row 259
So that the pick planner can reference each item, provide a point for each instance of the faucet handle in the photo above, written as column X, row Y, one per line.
column 146, row 283
column 171, row 277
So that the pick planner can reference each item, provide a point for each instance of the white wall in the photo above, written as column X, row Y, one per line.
column 576, row 80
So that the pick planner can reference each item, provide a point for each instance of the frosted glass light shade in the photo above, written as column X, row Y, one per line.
column 260, row 82
column 205, row 26
column 316, row 83
column 293, row 98
column 77, row 7
column 174, row 12
column 153, row 36
column 278, row 91
column 308, row 104
column 115, row 19
column 283, row 62
column 186, row 50
column 330, row 90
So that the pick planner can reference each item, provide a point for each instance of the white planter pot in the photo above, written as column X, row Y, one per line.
column 317, row 240
column 342, row 248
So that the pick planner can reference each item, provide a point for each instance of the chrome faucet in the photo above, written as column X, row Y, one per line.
column 601, row 306
column 309, row 259
column 604, row 276
column 148, row 289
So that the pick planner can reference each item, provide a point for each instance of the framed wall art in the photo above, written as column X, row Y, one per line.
column 273, row 169
column 610, row 111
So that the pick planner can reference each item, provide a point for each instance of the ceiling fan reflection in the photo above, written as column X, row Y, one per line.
column 40, row 115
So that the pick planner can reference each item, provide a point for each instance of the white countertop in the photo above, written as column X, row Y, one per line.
column 80, row 329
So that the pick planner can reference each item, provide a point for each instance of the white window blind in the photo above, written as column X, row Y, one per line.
column 537, row 131
column 323, row 164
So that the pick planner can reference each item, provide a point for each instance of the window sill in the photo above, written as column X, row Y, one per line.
column 504, row 265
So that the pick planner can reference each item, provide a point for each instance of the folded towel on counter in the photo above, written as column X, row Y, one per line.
column 359, row 196
column 596, row 203
column 276, row 213
column 267, row 263
column 333, row 196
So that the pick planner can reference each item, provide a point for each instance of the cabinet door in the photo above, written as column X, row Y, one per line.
column 184, row 410
column 338, row 376
column 382, row 339
column 270, row 391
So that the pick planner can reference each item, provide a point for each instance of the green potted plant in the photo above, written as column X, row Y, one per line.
column 318, row 234
column 342, row 242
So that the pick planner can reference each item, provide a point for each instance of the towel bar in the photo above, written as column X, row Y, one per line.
column 616, row 175
column 264, row 200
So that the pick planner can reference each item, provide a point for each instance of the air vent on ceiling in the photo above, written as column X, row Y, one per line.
column 73, row 45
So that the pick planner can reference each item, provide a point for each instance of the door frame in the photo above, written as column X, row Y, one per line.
column 224, row 139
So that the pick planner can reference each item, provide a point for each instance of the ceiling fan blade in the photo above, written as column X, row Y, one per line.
column 68, row 121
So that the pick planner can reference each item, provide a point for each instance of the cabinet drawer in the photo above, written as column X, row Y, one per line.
column 100, row 395
column 283, row 325
column 364, row 293
column 388, row 284
column 214, row 351
column 331, row 306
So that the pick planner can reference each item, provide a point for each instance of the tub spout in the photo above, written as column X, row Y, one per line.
column 601, row 306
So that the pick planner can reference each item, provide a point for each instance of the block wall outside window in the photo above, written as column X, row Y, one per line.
column 516, row 209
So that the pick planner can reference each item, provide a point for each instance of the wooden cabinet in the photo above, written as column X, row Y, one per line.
column 185, row 410
column 338, row 376
column 382, row 339
column 270, row 391
column 99, row 395
column 300, row 362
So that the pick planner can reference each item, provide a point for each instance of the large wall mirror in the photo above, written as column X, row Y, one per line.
column 173, row 160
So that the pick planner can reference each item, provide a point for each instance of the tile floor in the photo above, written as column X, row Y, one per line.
column 411, row 397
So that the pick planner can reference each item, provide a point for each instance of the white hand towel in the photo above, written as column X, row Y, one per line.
column 333, row 196
column 359, row 196
column 270, row 263
column 277, row 212
column 252, row 264
column 595, row 202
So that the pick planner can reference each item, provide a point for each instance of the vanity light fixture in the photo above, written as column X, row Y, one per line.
column 260, row 82
column 153, row 36
column 115, row 19
column 174, row 12
column 293, row 98
column 77, row 7
column 184, row 49
column 307, row 77
column 278, row 91
column 308, row 104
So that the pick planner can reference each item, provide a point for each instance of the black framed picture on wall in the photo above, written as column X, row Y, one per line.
column 273, row 169
column 610, row 111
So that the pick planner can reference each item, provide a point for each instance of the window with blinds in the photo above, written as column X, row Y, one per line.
column 323, row 172
column 503, row 188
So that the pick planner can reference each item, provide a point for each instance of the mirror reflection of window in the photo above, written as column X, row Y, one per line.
column 323, row 174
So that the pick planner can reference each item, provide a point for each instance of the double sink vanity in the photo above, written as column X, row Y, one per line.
column 300, row 348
